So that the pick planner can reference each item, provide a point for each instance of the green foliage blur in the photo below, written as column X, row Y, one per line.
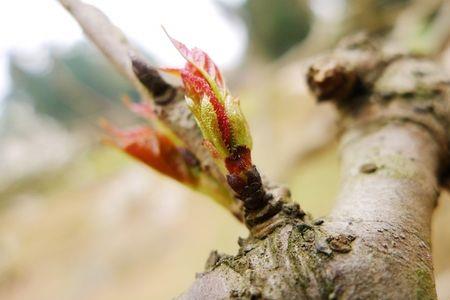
column 78, row 86
column 275, row 26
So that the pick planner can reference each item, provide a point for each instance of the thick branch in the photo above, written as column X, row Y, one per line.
column 389, row 190
column 375, row 245
column 376, row 242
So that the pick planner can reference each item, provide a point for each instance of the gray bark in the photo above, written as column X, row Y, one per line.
column 394, row 147
column 374, row 245
column 376, row 242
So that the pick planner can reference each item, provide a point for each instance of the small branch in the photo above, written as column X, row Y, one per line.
column 171, row 109
column 107, row 37
column 168, row 99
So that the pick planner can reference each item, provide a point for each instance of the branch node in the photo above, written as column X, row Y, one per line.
column 162, row 92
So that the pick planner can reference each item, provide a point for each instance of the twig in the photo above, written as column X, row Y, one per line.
column 131, row 63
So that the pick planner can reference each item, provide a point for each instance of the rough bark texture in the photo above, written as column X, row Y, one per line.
column 376, row 242
column 394, row 147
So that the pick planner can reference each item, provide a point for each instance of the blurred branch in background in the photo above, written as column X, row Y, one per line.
column 78, row 84
column 170, row 113
column 51, row 113
column 62, row 102
column 423, row 27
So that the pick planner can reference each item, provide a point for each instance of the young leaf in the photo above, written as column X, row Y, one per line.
column 155, row 150
column 158, row 148
column 217, row 113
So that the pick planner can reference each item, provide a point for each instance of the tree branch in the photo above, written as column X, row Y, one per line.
column 376, row 242
column 171, row 109
column 168, row 99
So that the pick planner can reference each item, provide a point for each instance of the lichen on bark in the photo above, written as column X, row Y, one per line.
column 376, row 242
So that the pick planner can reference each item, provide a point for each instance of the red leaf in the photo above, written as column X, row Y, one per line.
column 197, row 60
column 154, row 149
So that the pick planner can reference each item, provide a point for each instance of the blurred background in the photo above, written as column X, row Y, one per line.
column 81, row 220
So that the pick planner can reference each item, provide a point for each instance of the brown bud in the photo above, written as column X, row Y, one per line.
column 162, row 92
column 249, row 189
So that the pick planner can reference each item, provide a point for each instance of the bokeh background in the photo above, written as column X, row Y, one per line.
column 80, row 220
